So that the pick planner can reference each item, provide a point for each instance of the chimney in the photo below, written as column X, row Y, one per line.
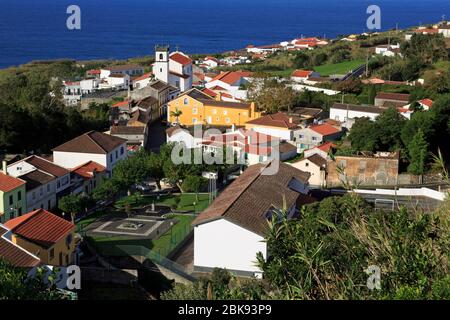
column 5, row 167
column 252, row 111
column 219, row 96
column 291, row 120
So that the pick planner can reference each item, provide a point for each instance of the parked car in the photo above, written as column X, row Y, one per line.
column 144, row 187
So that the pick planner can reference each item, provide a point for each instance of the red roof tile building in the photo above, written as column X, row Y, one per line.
column 45, row 235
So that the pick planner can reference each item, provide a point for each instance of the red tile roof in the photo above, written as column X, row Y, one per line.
column 87, row 170
column 15, row 255
column 94, row 71
column 279, row 119
column 427, row 102
column 92, row 142
column 41, row 227
column 180, row 58
column 247, row 201
column 326, row 146
column 209, row 92
column 46, row 166
column 8, row 183
column 144, row 76
column 325, row 129
column 121, row 104
column 211, row 58
column 301, row 73
column 393, row 96
column 232, row 77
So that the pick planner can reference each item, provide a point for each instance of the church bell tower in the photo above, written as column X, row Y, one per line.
column 161, row 65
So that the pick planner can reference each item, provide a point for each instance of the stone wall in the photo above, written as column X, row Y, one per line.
column 369, row 171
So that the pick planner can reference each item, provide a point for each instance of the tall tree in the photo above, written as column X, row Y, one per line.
column 418, row 153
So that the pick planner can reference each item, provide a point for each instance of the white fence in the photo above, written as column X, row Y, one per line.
column 419, row 192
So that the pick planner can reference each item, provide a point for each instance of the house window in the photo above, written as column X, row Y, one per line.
column 41, row 191
column 194, row 111
column 225, row 112
column 20, row 211
column 48, row 188
column 307, row 164
column 121, row 150
column 227, row 120
column 111, row 157
column 161, row 57
column 194, row 120
column 11, row 200
column 51, row 254
column 313, row 138
column 58, row 184
column 19, row 196
column 214, row 111
column 117, row 154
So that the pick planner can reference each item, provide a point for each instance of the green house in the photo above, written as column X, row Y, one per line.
column 13, row 201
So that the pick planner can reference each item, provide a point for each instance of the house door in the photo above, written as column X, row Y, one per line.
column 60, row 259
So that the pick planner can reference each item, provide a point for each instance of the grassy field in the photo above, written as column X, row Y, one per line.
column 338, row 68
column 186, row 202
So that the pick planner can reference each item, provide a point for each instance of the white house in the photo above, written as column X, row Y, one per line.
column 230, row 82
column 303, row 75
column 40, row 186
column 322, row 150
column 347, row 113
column 95, row 146
column 316, row 166
column 231, row 231
column 278, row 125
column 118, row 81
column 174, row 68
column 210, row 62
column 177, row 134
column 315, row 135
column 89, row 85
column 250, row 147
column 46, row 181
column 444, row 29
column 131, row 70
column 387, row 49
column 143, row 81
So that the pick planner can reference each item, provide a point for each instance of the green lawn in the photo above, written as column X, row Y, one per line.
column 186, row 201
column 338, row 68
column 282, row 73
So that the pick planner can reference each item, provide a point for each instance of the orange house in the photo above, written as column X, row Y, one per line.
column 45, row 235
column 196, row 107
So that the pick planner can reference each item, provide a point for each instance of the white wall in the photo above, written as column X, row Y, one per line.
column 223, row 244
column 343, row 115
column 317, row 178
column 301, row 87
column 40, row 197
column 75, row 159
column 280, row 133
column 182, row 136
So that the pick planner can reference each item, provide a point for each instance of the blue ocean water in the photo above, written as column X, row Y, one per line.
column 36, row 29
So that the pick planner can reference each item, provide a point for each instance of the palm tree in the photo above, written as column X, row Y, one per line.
column 177, row 113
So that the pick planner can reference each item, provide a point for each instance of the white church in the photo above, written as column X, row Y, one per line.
column 173, row 68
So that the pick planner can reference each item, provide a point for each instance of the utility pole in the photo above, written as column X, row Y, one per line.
column 367, row 63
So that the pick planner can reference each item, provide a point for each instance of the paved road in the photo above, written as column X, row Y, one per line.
column 156, row 136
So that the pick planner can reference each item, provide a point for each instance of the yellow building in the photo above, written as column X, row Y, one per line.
column 47, row 236
column 195, row 107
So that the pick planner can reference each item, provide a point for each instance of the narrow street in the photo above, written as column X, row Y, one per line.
column 156, row 136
